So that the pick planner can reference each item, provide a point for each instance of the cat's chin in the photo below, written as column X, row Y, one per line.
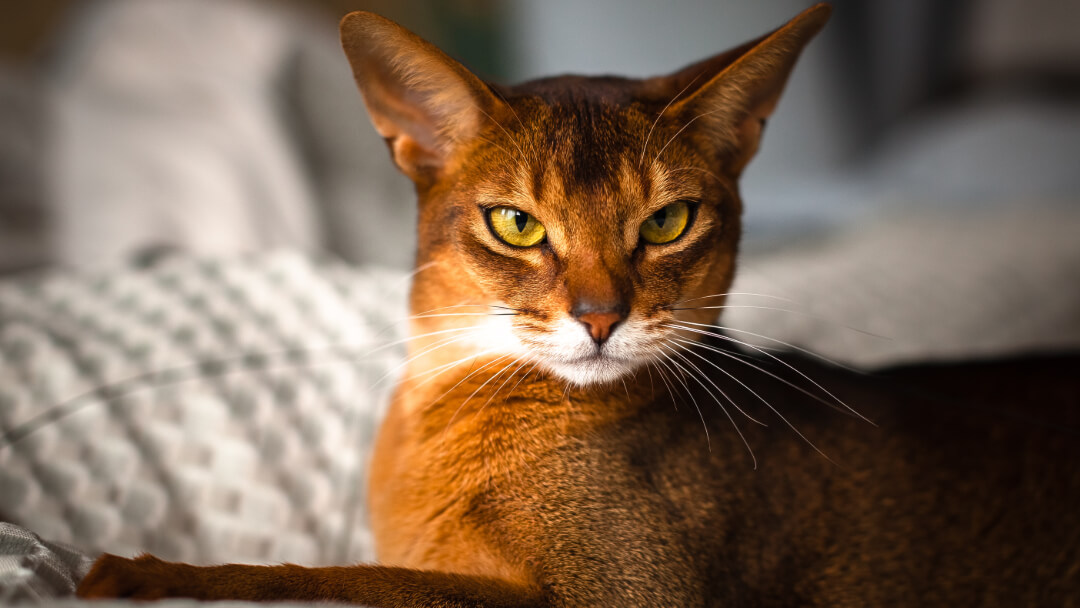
column 592, row 371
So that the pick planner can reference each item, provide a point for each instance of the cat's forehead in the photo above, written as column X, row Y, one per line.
column 584, row 141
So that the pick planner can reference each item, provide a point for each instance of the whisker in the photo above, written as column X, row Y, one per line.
column 435, row 372
column 788, row 310
column 739, row 359
column 465, row 314
column 722, row 393
column 509, row 377
column 459, row 382
column 502, row 148
column 203, row 369
column 733, row 293
column 734, row 425
column 450, row 422
column 645, row 146
column 421, row 268
column 683, row 128
column 690, row 393
column 439, row 344
column 532, row 146
column 767, row 404
column 663, row 378
column 430, row 310
column 522, row 379
column 514, row 141
column 800, row 349
column 778, row 360
column 176, row 375
column 409, row 318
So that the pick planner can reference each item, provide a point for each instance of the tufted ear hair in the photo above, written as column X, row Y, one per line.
column 422, row 102
column 727, row 97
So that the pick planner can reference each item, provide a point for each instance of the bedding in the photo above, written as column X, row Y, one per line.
column 202, row 409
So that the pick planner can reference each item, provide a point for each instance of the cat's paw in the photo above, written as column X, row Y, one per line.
column 145, row 578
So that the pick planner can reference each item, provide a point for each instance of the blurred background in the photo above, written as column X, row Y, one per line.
column 132, row 127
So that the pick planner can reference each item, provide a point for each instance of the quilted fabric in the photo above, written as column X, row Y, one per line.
column 32, row 570
column 202, row 410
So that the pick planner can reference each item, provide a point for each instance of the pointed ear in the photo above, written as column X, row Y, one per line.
column 731, row 95
column 422, row 102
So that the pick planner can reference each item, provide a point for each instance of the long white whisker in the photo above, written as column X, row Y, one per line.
column 714, row 385
column 734, row 293
column 663, row 378
column 509, row 377
column 788, row 310
column 738, row 359
column 450, row 422
column 464, row 314
column 202, row 369
column 734, row 425
column 800, row 349
column 438, row 344
column 522, row 379
column 690, row 393
column 467, row 376
column 767, row 404
column 778, row 360
column 442, row 369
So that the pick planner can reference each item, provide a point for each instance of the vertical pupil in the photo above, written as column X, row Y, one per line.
column 660, row 217
column 521, row 219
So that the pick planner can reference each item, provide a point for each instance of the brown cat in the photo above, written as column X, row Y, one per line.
column 571, row 431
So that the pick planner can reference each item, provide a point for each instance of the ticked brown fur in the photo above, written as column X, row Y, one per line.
column 513, row 470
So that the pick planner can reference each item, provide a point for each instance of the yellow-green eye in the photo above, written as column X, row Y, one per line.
column 515, row 227
column 666, row 224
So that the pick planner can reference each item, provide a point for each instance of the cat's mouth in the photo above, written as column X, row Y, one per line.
column 595, row 368
column 567, row 351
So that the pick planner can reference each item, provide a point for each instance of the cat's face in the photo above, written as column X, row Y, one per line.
column 564, row 217
column 567, row 222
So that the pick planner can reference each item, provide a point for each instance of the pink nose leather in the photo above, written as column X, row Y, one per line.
column 600, row 324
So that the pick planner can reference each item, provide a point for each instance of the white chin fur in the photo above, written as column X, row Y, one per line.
column 572, row 355
column 601, row 370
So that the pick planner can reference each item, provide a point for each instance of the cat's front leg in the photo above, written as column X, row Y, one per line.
column 148, row 578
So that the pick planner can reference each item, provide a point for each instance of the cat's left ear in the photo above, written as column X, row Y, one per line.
column 737, row 90
column 421, row 101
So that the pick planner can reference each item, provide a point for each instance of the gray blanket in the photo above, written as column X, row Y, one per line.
column 34, row 570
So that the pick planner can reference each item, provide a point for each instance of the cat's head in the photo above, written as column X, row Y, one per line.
column 570, row 221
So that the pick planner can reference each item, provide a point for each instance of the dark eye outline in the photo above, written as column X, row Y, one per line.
column 487, row 211
column 691, row 212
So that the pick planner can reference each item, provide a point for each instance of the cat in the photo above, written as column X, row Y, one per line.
column 567, row 431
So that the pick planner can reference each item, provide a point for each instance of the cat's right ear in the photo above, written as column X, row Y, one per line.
column 421, row 101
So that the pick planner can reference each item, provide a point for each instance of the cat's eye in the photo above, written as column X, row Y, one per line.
column 515, row 227
column 666, row 224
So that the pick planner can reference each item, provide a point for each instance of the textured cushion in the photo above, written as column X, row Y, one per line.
column 205, row 411
column 32, row 570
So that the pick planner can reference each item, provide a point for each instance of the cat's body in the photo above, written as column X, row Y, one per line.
column 564, row 435
column 954, row 497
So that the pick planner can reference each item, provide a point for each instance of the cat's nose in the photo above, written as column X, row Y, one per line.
column 600, row 324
